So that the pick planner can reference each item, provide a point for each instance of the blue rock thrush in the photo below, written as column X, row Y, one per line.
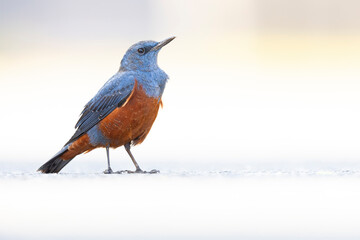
column 122, row 112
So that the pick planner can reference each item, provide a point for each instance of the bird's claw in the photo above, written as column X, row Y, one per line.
column 154, row 171
column 108, row 171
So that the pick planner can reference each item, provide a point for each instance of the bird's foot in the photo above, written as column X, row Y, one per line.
column 108, row 171
column 154, row 171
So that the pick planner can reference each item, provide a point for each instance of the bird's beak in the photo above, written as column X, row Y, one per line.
column 162, row 43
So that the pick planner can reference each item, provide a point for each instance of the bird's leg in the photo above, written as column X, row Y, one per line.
column 138, row 169
column 108, row 170
column 127, row 148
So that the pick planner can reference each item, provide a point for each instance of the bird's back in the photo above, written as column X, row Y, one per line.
column 113, row 94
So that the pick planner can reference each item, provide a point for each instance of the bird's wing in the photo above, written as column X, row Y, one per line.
column 113, row 94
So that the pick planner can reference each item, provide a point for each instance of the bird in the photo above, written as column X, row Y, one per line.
column 123, row 110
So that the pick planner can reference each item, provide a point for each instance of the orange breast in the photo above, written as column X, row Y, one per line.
column 132, row 121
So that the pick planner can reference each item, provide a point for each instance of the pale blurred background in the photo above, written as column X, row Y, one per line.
column 267, row 90
column 250, row 81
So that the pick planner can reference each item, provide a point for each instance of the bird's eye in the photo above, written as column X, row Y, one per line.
column 141, row 51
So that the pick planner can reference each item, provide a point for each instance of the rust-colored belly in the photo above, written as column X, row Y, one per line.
column 131, row 122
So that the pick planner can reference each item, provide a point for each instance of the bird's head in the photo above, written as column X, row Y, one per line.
column 143, row 55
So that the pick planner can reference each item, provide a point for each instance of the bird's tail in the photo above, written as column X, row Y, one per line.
column 65, row 155
column 56, row 163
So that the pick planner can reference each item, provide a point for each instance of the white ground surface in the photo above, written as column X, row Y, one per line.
column 262, row 202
